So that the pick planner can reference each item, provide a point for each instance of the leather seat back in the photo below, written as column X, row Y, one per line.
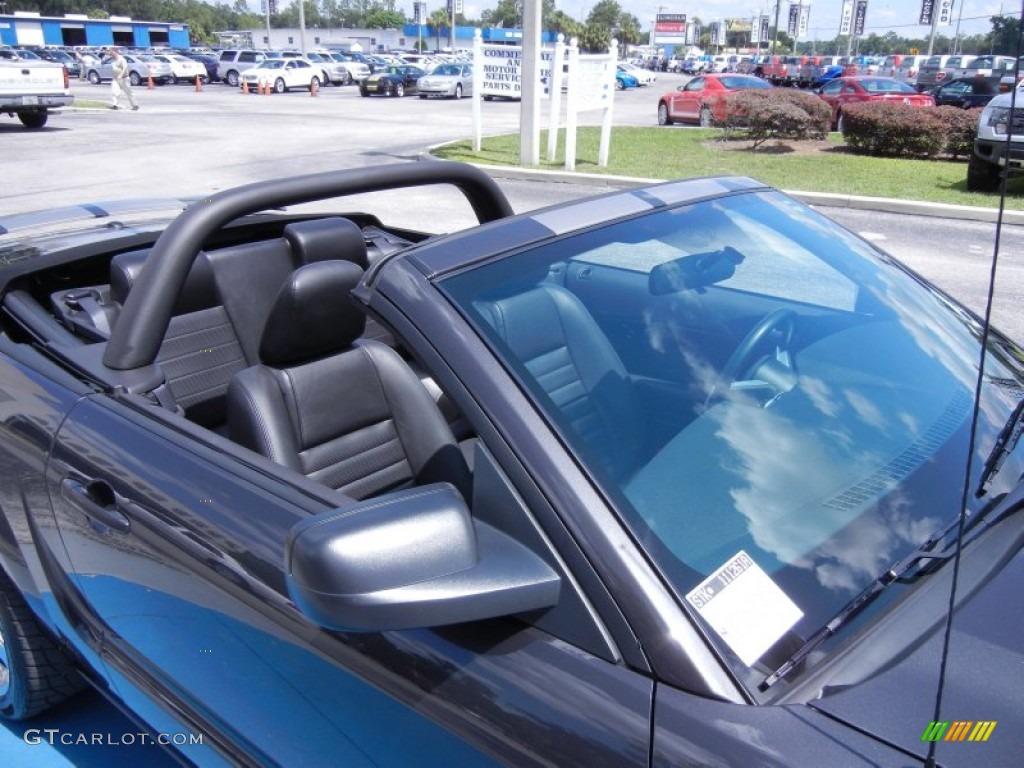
column 200, row 351
column 353, row 417
column 561, row 346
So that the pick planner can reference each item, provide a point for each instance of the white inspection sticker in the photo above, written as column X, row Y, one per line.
column 745, row 607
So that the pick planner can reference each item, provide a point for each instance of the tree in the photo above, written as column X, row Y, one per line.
column 439, row 20
column 605, row 13
column 381, row 18
column 1005, row 31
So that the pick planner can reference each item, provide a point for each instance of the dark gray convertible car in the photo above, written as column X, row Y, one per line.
column 682, row 475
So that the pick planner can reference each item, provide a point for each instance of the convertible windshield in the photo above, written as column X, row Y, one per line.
column 757, row 391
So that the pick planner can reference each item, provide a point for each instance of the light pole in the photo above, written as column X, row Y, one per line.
column 775, row 34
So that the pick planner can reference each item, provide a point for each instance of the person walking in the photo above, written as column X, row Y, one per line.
column 120, row 84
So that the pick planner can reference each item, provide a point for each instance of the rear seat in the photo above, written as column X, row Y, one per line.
column 200, row 352
column 216, row 323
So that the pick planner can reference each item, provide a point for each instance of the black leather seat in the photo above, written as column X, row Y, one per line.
column 200, row 351
column 560, row 344
column 249, row 275
column 353, row 417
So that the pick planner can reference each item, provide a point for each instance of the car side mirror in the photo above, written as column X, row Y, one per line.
column 413, row 558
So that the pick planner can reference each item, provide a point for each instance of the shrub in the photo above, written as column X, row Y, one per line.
column 890, row 129
column 778, row 113
column 960, row 126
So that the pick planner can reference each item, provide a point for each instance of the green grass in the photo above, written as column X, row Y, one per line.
column 676, row 153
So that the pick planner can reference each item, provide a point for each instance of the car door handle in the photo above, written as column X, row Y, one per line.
column 97, row 501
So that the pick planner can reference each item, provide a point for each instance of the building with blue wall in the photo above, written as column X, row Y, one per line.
column 464, row 35
column 22, row 28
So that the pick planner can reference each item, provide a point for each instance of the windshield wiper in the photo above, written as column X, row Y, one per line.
column 890, row 576
column 1007, row 440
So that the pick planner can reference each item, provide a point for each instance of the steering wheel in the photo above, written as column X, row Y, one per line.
column 781, row 321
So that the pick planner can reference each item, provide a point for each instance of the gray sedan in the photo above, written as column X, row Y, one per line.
column 447, row 80
column 140, row 68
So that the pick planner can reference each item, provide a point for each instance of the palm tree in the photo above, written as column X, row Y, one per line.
column 439, row 19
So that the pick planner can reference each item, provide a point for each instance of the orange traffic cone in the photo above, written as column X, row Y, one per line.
column 199, row 83
column 313, row 88
column 149, row 83
column 245, row 87
column 265, row 89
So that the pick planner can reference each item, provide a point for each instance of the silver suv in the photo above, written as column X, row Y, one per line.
column 233, row 63
column 994, row 150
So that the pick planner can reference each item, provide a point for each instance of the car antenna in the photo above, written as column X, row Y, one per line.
column 987, row 323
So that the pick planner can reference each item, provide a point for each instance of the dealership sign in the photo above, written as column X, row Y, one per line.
column 670, row 29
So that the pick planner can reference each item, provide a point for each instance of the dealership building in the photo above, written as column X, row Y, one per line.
column 27, row 28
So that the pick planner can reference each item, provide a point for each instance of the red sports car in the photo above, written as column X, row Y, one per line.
column 850, row 90
column 699, row 101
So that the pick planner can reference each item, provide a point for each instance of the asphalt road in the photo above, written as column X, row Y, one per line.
column 187, row 143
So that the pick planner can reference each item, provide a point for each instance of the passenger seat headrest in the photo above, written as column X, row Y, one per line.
column 323, row 239
column 314, row 314
column 199, row 291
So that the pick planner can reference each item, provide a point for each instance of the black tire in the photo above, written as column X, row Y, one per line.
column 133, row 78
column 34, row 673
column 458, row 91
column 279, row 86
column 172, row 80
column 398, row 90
column 363, row 92
column 348, row 79
column 93, row 77
column 663, row 116
column 232, row 78
column 982, row 176
column 619, row 85
column 33, row 120
column 706, row 120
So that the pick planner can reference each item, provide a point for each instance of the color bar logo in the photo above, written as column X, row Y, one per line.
column 959, row 730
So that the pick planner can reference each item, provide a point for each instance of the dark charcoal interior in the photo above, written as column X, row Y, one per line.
column 264, row 342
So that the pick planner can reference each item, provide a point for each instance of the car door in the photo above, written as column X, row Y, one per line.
column 953, row 94
column 410, row 77
column 685, row 103
column 176, row 539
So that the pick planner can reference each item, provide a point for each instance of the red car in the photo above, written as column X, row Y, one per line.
column 850, row 90
column 699, row 101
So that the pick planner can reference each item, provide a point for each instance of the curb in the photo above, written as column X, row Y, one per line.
column 825, row 199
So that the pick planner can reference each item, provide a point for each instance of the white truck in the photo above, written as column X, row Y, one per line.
column 30, row 89
column 999, row 142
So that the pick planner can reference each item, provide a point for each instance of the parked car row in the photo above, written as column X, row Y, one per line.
column 924, row 73
column 701, row 101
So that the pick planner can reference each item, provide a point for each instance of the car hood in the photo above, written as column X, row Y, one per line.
column 984, row 681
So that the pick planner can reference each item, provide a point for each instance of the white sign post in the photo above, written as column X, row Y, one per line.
column 555, row 89
column 498, row 72
column 591, row 86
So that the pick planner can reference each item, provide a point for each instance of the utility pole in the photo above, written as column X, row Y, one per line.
column 775, row 36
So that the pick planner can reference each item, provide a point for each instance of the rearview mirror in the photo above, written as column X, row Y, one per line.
column 413, row 558
column 694, row 271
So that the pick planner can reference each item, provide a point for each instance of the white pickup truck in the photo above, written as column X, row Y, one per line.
column 30, row 89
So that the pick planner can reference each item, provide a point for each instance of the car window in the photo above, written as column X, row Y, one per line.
column 833, row 87
column 823, row 478
column 697, row 84
column 246, row 57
